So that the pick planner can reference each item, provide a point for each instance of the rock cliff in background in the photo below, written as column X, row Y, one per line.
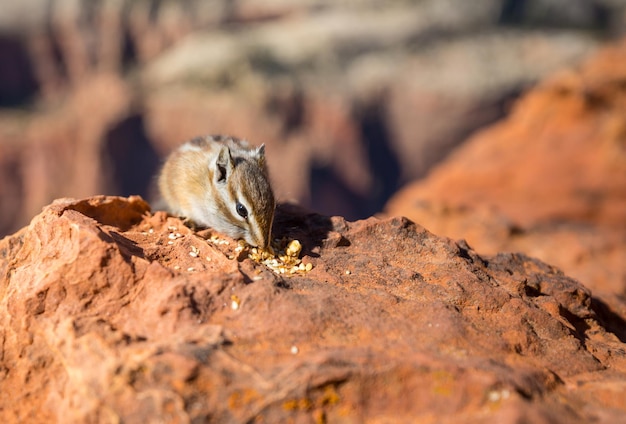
column 109, row 313
column 550, row 180
column 94, row 93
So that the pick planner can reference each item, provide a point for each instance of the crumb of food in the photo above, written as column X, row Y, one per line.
column 348, row 272
column 282, row 257
column 294, row 350
column 194, row 252
column 234, row 302
column 498, row 395
column 241, row 246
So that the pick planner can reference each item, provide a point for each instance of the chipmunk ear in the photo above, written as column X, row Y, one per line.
column 260, row 153
column 223, row 164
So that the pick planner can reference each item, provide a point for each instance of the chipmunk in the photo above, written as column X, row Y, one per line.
column 221, row 182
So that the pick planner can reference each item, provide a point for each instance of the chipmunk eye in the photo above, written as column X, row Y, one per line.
column 241, row 210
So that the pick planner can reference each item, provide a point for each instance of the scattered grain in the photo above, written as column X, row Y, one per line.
column 216, row 240
column 281, row 257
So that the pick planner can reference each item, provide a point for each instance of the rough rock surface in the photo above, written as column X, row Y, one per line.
column 94, row 93
column 106, row 317
column 550, row 180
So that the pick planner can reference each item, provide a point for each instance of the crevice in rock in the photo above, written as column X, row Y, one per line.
column 611, row 321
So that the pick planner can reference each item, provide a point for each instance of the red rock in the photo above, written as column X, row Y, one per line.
column 103, row 319
column 550, row 180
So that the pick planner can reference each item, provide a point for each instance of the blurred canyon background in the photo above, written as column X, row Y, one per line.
column 354, row 99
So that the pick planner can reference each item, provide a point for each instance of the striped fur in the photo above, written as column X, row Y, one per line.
column 207, row 176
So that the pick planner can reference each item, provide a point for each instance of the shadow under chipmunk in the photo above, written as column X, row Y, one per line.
column 312, row 229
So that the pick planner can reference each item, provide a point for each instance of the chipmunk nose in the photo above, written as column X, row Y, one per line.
column 257, row 240
column 258, row 234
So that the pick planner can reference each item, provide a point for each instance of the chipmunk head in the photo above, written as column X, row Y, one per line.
column 241, row 178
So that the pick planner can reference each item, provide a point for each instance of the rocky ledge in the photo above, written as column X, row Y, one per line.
column 109, row 313
column 549, row 180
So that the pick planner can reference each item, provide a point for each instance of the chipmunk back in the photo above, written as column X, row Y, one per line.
column 221, row 182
